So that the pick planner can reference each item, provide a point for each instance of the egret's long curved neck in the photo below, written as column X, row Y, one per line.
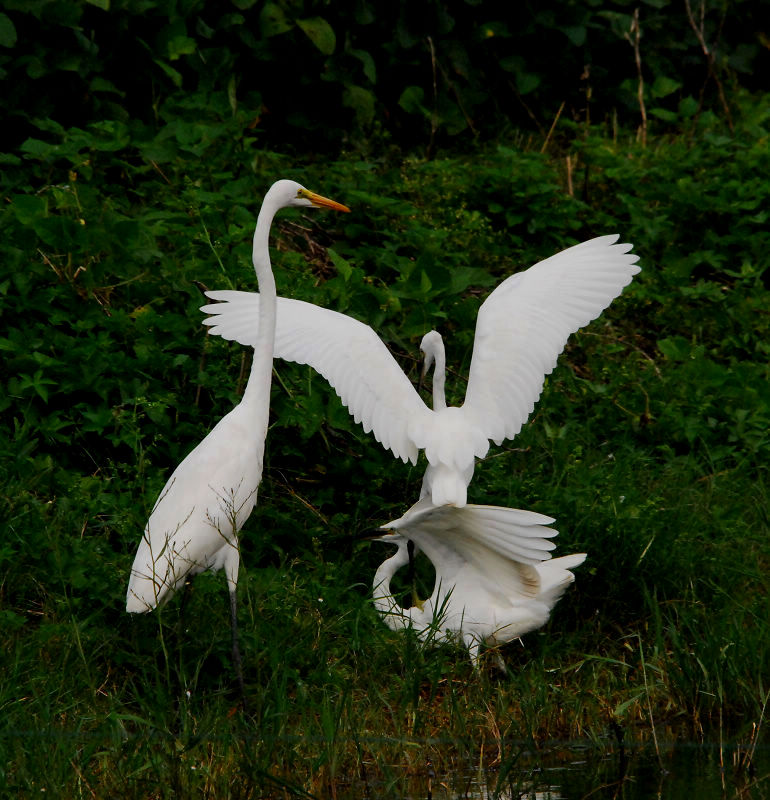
column 258, row 388
column 392, row 613
column 439, row 376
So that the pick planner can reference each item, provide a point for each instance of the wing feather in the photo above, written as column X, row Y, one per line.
column 524, row 324
column 348, row 353
column 500, row 544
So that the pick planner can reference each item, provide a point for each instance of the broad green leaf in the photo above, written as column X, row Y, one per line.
column 620, row 23
column 37, row 147
column 179, row 46
column 272, row 20
column 362, row 102
column 99, row 84
column 103, row 4
column 320, row 33
column 28, row 207
column 688, row 107
column 576, row 34
column 370, row 70
column 342, row 265
column 675, row 347
column 36, row 68
column 175, row 76
column 204, row 30
column 663, row 86
column 664, row 114
column 527, row 82
column 7, row 31
column 411, row 100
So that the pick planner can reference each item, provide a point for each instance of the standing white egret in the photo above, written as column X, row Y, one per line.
column 521, row 328
column 195, row 522
column 495, row 579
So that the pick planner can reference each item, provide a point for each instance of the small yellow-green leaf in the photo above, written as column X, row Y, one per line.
column 179, row 46
column 320, row 33
column 273, row 21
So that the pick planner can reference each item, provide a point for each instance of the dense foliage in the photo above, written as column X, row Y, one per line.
column 127, row 192
column 312, row 72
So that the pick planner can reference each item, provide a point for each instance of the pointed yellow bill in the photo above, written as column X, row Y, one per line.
column 322, row 202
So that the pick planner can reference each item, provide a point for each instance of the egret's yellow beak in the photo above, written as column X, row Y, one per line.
column 322, row 202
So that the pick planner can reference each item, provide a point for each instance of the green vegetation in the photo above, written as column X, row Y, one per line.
column 650, row 444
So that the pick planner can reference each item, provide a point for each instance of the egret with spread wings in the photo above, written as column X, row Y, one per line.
column 521, row 328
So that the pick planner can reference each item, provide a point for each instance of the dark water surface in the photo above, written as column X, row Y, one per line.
column 684, row 771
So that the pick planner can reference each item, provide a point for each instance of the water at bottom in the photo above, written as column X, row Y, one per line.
column 682, row 771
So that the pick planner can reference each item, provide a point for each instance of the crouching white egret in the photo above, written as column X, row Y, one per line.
column 195, row 522
column 495, row 579
column 521, row 328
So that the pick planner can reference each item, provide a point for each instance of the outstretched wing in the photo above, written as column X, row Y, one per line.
column 502, row 545
column 348, row 353
column 525, row 323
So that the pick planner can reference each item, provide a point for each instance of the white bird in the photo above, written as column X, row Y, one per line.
column 494, row 580
column 521, row 328
column 195, row 522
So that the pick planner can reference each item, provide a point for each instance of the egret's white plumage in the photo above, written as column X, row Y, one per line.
column 195, row 522
column 493, row 582
column 521, row 328
column 495, row 579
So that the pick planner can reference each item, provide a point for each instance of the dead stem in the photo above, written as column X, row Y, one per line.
column 551, row 129
column 699, row 29
column 635, row 32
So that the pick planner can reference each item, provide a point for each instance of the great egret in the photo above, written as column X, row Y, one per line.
column 494, row 582
column 195, row 522
column 521, row 328
column 495, row 579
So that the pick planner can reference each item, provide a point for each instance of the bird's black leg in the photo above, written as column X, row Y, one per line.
column 183, row 600
column 237, row 663
column 411, row 571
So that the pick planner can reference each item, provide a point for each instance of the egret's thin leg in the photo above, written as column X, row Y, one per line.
column 411, row 571
column 183, row 600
